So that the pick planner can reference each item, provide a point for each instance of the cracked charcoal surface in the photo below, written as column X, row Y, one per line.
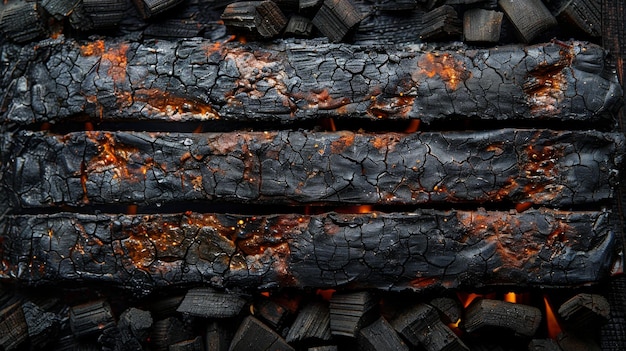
column 397, row 251
column 196, row 79
column 540, row 166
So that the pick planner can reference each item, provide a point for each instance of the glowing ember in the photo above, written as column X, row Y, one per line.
column 467, row 298
column 510, row 297
column 451, row 71
column 326, row 294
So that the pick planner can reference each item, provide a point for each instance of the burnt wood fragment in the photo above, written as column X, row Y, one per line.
column 530, row 17
column 450, row 310
column 573, row 342
column 488, row 315
column 299, row 26
column 196, row 79
column 336, row 18
column 60, row 9
column 482, row 26
column 42, row 326
column 137, row 321
column 582, row 14
column 271, row 312
column 585, row 312
column 22, row 21
column 420, row 325
column 263, row 18
column 380, row 336
column 311, row 324
column 101, row 14
column 349, row 312
column 442, row 23
column 543, row 345
column 149, row 8
column 253, row 335
column 323, row 348
column 91, row 318
column 544, row 167
column 216, row 337
column 414, row 250
column 165, row 307
column 167, row 332
column 13, row 327
column 208, row 303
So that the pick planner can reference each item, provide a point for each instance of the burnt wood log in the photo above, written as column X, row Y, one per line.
column 582, row 14
column 312, row 323
column 585, row 313
column 442, row 23
column 253, row 335
column 208, row 303
column 530, row 17
column 200, row 80
column 91, row 318
column 397, row 251
column 482, row 26
column 539, row 166
column 349, row 312
column 380, row 335
column 485, row 315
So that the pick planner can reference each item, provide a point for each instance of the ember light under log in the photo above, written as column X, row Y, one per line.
column 171, row 179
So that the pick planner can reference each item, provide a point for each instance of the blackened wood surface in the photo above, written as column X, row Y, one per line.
column 197, row 79
column 539, row 166
column 385, row 251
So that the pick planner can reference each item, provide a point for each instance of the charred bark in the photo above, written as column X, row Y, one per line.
column 521, row 166
column 419, row 250
column 197, row 79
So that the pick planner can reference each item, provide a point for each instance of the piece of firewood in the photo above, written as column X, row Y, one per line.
column 91, row 318
column 137, row 321
column 260, row 17
column 450, row 310
column 585, row 312
column 543, row 167
column 448, row 249
column 60, row 8
column 167, row 332
column 582, row 14
column 216, row 337
column 529, row 17
column 336, row 18
column 253, row 335
column 299, row 26
column 311, row 324
column 482, row 26
column 574, row 342
column 13, row 327
column 349, row 312
column 420, row 326
column 521, row 320
column 149, row 8
column 288, row 81
column 42, row 326
column 379, row 336
column 103, row 13
column 165, row 307
column 208, row 303
column 442, row 23
column 271, row 312
column 21, row 21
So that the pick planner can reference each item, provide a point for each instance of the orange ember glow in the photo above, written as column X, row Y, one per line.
column 131, row 209
column 115, row 56
column 414, row 126
column 523, row 206
column 554, row 329
column 510, row 297
column 451, row 71
column 467, row 298
column 171, row 104
column 326, row 294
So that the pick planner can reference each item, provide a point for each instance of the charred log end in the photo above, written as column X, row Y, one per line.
column 530, row 18
column 337, row 18
column 22, row 21
column 482, row 26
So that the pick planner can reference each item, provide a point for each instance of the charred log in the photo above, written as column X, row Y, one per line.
column 523, row 166
column 201, row 80
column 386, row 251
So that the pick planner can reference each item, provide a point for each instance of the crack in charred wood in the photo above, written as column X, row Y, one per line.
column 196, row 79
column 419, row 250
column 542, row 167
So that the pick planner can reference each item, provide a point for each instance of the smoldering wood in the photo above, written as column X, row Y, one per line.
column 196, row 79
column 488, row 315
column 311, row 324
column 530, row 18
column 91, row 318
column 482, row 26
column 582, row 14
column 208, row 303
column 13, row 327
column 420, row 326
column 417, row 250
column 585, row 312
column 351, row 311
column 253, row 335
column 544, row 167
column 380, row 336
column 42, row 326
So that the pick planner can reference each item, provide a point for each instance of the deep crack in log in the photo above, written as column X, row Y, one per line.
column 196, row 79
column 419, row 250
